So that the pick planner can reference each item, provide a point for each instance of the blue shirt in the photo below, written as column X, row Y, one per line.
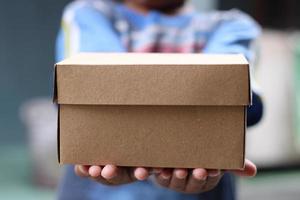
column 104, row 26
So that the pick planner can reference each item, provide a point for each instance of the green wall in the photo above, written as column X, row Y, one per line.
column 27, row 34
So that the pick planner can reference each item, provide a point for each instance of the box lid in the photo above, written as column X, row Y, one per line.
column 152, row 79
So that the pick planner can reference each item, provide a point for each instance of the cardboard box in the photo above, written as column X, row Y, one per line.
column 153, row 110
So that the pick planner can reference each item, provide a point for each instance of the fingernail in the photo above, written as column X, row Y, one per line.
column 141, row 173
column 109, row 172
column 94, row 171
column 200, row 175
column 214, row 173
column 180, row 174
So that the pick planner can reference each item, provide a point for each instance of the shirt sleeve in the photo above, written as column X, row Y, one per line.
column 236, row 32
column 86, row 27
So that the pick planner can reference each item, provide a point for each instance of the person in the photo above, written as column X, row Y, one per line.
column 154, row 26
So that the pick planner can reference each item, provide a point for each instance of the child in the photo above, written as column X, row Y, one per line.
column 153, row 26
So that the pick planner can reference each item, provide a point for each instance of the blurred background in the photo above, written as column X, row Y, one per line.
column 28, row 163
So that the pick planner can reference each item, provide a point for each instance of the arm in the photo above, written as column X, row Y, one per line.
column 85, row 28
column 237, row 33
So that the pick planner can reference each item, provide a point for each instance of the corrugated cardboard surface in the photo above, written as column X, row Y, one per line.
column 162, row 110
column 153, row 85
column 153, row 136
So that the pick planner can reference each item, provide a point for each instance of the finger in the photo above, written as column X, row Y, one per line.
column 141, row 173
column 116, row 175
column 213, row 178
column 113, row 175
column 250, row 170
column 96, row 175
column 109, row 172
column 164, row 178
column 196, row 181
column 122, row 175
column 94, row 171
column 81, row 170
column 178, row 179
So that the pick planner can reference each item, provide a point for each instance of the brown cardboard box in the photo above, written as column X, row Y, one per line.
column 153, row 110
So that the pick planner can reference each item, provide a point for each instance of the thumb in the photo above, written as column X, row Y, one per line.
column 250, row 170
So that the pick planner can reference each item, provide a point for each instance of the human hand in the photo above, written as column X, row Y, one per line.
column 111, row 174
column 198, row 180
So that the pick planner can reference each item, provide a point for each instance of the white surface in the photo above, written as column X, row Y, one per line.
column 270, row 186
column 134, row 59
column 271, row 142
column 40, row 118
